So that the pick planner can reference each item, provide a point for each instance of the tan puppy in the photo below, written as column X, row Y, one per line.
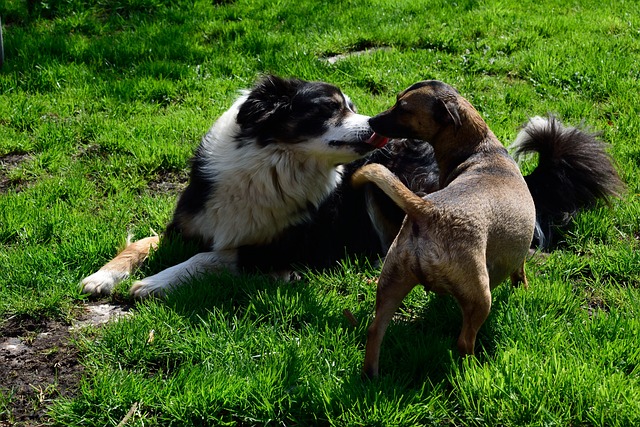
column 464, row 239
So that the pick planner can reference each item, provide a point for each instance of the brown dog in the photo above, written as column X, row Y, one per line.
column 464, row 239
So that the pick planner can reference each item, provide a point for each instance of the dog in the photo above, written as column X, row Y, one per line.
column 471, row 234
column 264, row 167
column 270, row 189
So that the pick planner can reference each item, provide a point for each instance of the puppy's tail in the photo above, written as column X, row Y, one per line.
column 408, row 201
column 574, row 172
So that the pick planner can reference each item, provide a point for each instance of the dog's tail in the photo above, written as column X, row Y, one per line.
column 407, row 200
column 574, row 172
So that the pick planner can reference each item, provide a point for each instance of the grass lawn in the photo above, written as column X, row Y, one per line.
column 101, row 106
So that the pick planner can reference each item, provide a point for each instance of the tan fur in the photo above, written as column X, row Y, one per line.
column 120, row 267
column 134, row 254
column 464, row 239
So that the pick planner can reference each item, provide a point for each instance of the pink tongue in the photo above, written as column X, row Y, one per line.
column 377, row 141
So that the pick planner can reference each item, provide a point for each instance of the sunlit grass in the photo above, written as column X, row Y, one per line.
column 102, row 101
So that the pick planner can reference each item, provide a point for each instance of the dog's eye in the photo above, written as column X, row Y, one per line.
column 328, row 107
column 339, row 106
column 334, row 105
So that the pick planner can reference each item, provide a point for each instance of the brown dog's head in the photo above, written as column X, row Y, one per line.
column 423, row 111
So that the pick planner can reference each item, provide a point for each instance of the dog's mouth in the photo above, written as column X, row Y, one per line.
column 377, row 140
column 365, row 144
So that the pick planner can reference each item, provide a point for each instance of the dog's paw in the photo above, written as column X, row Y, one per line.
column 101, row 282
column 286, row 275
column 148, row 287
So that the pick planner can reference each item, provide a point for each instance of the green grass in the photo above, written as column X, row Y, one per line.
column 100, row 101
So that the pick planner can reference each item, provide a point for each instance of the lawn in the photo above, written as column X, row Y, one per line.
column 102, row 104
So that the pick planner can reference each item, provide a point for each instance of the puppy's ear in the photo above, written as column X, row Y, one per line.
column 446, row 112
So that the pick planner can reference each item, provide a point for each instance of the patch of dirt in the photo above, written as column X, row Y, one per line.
column 9, row 162
column 595, row 302
column 169, row 182
column 364, row 50
column 39, row 363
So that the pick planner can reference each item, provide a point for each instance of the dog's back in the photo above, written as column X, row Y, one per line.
column 486, row 204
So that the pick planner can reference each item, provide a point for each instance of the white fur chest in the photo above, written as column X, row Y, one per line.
column 257, row 191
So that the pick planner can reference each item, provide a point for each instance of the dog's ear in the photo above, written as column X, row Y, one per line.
column 266, row 104
column 446, row 112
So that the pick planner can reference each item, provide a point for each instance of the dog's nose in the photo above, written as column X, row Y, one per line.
column 376, row 124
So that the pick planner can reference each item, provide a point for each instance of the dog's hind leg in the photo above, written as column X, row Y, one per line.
column 475, row 308
column 172, row 277
column 393, row 285
column 519, row 277
column 119, row 268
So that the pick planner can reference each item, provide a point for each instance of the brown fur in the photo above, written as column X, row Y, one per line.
column 464, row 239
column 134, row 254
column 121, row 267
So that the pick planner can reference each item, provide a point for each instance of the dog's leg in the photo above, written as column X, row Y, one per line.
column 379, row 206
column 172, row 277
column 475, row 308
column 118, row 269
column 393, row 286
column 519, row 277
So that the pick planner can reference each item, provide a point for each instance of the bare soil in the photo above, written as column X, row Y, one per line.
column 169, row 182
column 9, row 162
column 39, row 363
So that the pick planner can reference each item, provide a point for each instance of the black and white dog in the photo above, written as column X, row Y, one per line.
column 269, row 164
column 270, row 187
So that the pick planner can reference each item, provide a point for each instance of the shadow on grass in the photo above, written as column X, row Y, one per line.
column 271, row 350
column 416, row 348
column 420, row 344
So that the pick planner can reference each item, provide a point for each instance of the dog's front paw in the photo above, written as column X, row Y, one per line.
column 148, row 287
column 286, row 275
column 101, row 282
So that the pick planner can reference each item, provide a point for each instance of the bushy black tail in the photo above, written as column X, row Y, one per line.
column 574, row 171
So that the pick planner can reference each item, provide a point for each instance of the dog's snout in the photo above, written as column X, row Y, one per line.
column 374, row 123
column 381, row 125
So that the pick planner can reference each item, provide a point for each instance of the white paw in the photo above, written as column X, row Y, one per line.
column 149, row 286
column 102, row 282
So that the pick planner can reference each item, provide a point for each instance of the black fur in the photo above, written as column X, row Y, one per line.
column 574, row 172
column 287, row 110
column 342, row 226
column 191, row 200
